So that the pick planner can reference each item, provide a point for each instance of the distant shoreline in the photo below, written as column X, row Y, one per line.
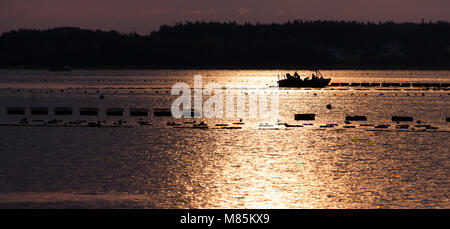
column 368, row 68
column 213, row 45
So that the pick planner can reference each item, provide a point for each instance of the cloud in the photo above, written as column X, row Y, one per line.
column 146, row 15
column 211, row 12
column 197, row 12
column 191, row 12
column 153, row 12
column 281, row 12
column 243, row 11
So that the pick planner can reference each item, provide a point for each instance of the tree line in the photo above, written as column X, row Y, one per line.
column 295, row 44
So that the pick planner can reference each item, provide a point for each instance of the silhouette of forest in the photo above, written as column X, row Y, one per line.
column 297, row 44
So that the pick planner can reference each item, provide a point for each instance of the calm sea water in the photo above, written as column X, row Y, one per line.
column 159, row 166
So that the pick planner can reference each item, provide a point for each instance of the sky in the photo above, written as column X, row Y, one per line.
column 145, row 16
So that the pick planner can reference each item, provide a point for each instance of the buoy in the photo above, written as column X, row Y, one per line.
column 114, row 111
column 356, row 118
column 402, row 118
column 39, row 111
column 162, row 112
column 304, row 116
column 89, row 111
column 63, row 111
column 138, row 112
column 15, row 110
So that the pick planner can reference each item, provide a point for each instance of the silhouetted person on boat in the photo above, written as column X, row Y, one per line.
column 315, row 81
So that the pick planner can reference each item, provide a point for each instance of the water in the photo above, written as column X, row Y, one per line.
column 159, row 166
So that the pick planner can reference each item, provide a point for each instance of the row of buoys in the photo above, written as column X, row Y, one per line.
column 402, row 119
column 78, row 123
column 85, row 91
column 159, row 112
column 84, row 111
column 349, row 118
column 57, row 122
column 385, row 126
column 202, row 125
column 385, row 84
column 277, row 126
column 98, row 80
column 405, row 84
column 90, row 111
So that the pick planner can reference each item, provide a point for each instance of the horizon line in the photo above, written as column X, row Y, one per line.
column 180, row 23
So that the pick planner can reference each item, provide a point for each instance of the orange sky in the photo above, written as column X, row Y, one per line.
column 144, row 16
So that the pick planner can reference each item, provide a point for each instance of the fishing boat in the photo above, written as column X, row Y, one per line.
column 316, row 81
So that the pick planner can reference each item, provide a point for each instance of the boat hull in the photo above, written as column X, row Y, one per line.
column 320, row 83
